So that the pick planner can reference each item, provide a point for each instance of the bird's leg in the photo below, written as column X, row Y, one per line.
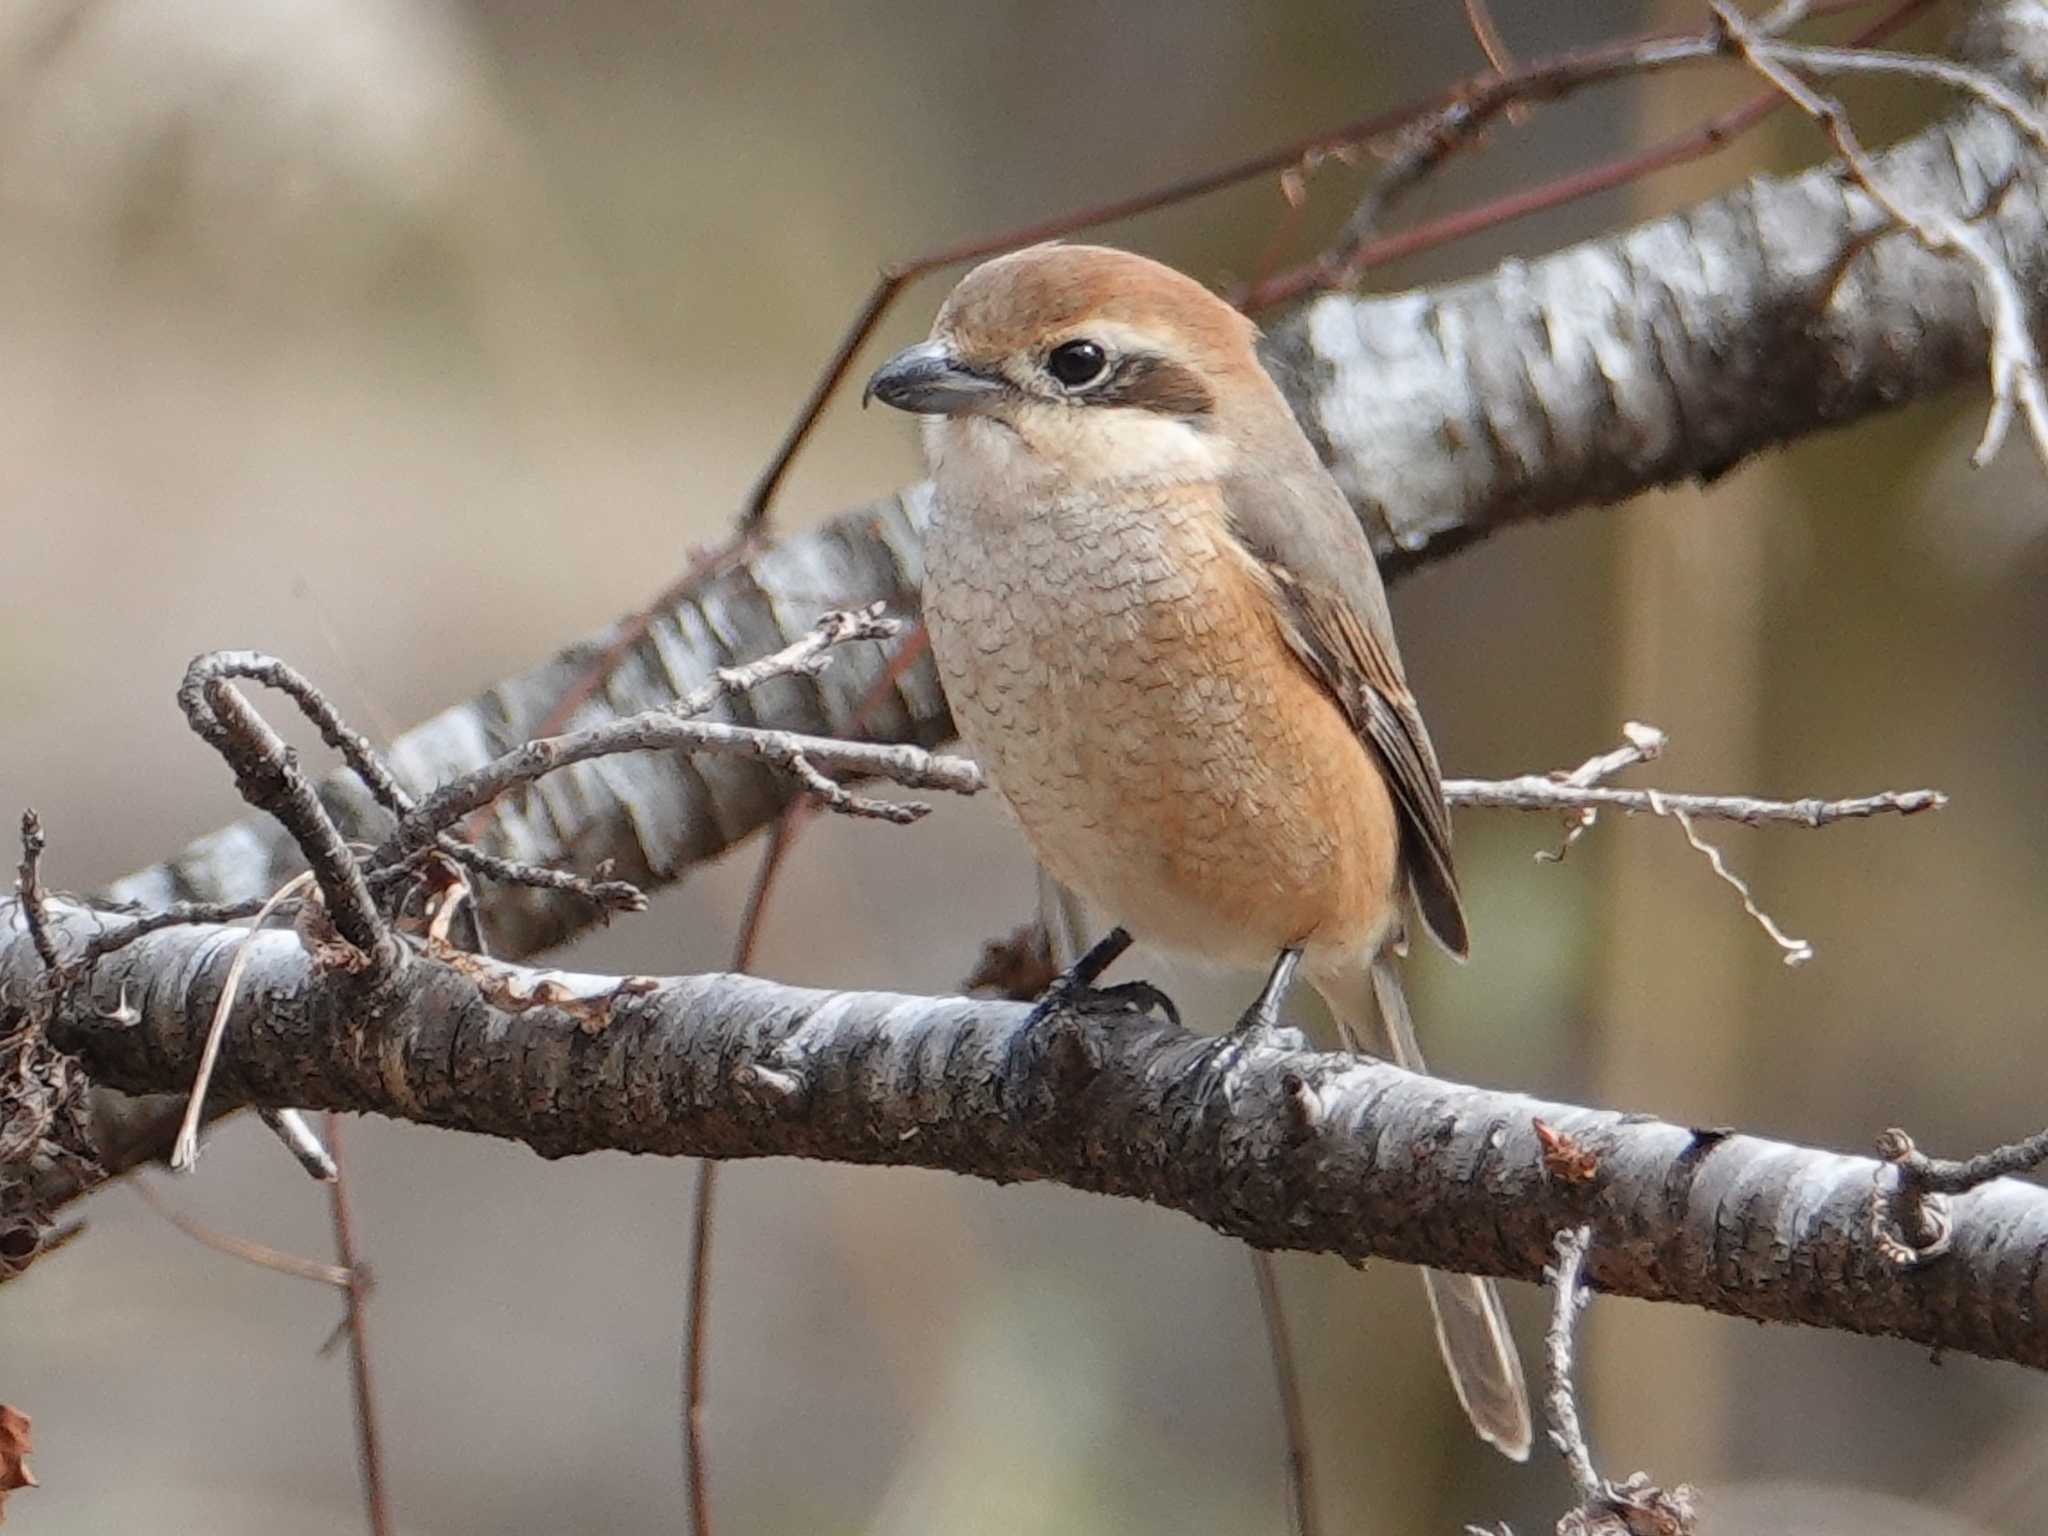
column 1263, row 1017
column 1257, row 1025
column 1075, row 990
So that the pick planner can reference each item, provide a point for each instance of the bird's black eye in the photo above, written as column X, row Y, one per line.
column 1075, row 363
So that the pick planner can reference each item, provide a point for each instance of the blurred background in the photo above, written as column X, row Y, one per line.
column 409, row 340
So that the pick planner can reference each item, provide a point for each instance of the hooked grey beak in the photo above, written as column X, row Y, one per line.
column 928, row 380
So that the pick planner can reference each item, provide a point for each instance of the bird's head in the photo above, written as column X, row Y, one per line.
column 1083, row 365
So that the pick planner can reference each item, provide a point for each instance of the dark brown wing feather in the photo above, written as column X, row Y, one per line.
column 1333, row 610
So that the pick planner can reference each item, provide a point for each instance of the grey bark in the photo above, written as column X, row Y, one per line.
column 1326, row 1153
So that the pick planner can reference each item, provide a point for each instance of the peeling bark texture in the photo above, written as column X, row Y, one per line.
column 1669, row 351
column 1326, row 1153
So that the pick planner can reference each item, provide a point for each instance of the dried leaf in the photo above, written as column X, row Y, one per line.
column 1018, row 966
column 14, row 1449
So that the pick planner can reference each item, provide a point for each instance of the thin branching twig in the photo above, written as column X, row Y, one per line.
column 1568, row 1299
column 2016, row 374
column 290, row 1127
column 1302, row 1516
column 262, row 1255
column 369, row 1438
column 1431, row 141
column 29, row 887
column 1635, row 1506
column 1910, row 1220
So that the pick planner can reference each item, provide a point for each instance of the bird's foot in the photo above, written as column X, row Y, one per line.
column 1074, row 996
column 1219, row 1061
column 1075, row 991
column 1258, row 1026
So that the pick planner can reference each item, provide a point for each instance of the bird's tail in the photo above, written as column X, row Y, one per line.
column 1471, row 1325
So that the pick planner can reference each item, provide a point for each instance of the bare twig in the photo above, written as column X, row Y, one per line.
column 1869, row 61
column 1636, row 1506
column 267, row 773
column 214, row 668
column 1910, row 1221
column 369, row 1440
column 1302, row 1516
column 1581, row 795
column 2016, row 374
column 1708, row 138
column 696, row 1333
column 1532, row 792
column 185, row 1150
column 1487, row 35
column 1797, row 951
column 1568, row 1298
column 806, row 653
column 290, row 1127
column 1954, row 1176
column 659, row 730
column 1640, row 743
column 29, row 886
column 108, row 941
column 811, row 756
column 804, row 658
column 1429, row 143
column 260, row 1254
column 696, row 1330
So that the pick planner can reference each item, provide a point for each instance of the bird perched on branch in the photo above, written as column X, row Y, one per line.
column 1162, row 630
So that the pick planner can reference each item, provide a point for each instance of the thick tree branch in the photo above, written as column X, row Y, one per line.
column 1318, row 1152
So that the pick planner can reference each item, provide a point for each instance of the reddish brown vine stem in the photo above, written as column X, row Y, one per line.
column 1341, row 268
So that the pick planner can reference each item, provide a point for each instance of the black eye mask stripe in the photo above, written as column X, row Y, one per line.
column 1155, row 384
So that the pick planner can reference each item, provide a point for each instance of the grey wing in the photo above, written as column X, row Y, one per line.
column 1334, row 612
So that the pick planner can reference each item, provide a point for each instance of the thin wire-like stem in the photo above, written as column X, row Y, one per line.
column 185, row 1150
column 260, row 1254
column 906, row 654
column 369, row 1440
column 695, row 1478
column 704, row 1202
column 1301, row 1485
column 1697, row 143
